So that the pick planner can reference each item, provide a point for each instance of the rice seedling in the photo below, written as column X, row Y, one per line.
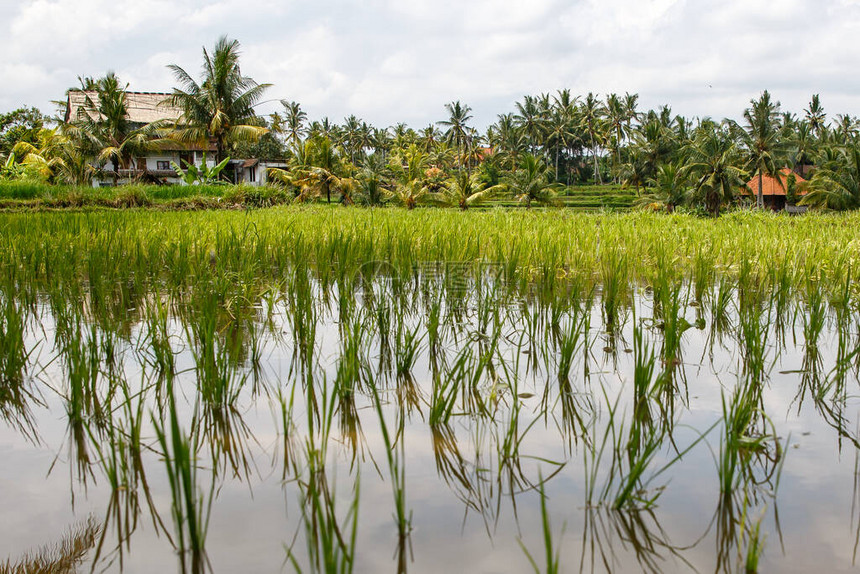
column 330, row 540
column 396, row 458
column 552, row 552
column 190, row 504
column 16, row 394
column 469, row 317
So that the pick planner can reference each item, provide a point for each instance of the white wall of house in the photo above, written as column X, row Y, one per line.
column 156, row 162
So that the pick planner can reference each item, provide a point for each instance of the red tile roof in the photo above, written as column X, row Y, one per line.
column 772, row 186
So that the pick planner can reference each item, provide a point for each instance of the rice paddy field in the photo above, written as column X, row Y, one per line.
column 321, row 389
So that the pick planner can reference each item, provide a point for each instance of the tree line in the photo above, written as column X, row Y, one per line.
column 547, row 145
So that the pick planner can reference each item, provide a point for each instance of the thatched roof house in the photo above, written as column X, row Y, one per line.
column 143, row 107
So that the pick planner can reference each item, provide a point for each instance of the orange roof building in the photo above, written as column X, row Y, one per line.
column 770, row 186
column 773, row 190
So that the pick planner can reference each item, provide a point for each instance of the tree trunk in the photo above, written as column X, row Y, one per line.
column 760, row 197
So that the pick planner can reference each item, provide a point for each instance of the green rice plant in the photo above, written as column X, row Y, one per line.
column 190, row 504
column 330, row 540
column 752, row 333
column 444, row 392
column 755, row 544
column 569, row 341
column 813, row 324
column 552, row 558
column 614, row 277
column 632, row 449
column 395, row 451
column 121, row 461
column 407, row 346
column 16, row 394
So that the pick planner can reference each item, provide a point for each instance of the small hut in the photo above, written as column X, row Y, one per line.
column 774, row 189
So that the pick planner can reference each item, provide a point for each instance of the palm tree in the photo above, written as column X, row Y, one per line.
column 711, row 167
column 816, row 116
column 220, row 109
column 369, row 190
column 102, row 125
column 631, row 101
column 429, row 138
column 836, row 186
column 294, row 123
column 403, row 135
column 457, row 133
column 315, row 172
column 511, row 141
column 464, row 191
column 669, row 187
column 592, row 115
column 616, row 117
column 55, row 157
column 529, row 121
column 409, row 169
column 762, row 140
column 529, row 183
column 846, row 128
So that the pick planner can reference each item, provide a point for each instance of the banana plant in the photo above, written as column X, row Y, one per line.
column 203, row 175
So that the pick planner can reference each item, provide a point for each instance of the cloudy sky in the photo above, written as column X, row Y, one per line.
column 401, row 60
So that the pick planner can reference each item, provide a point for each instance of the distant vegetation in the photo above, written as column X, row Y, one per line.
column 547, row 144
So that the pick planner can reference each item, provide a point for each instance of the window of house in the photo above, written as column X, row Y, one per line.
column 252, row 174
column 162, row 165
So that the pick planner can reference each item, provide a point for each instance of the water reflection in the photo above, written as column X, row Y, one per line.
column 387, row 397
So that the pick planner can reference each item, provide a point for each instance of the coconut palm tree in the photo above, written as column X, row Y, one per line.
column 102, row 127
column 669, row 188
column 616, row 119
column 592, row 116
column 816, row 116
column 465, row 191
column 761, row 139
column 711, row 166
column 293, row 123
column 530, row 183
column 458, row 130
column 56, row 158
column 315, row 171
column 529, row 120
column 836, row 186
column 219, row 109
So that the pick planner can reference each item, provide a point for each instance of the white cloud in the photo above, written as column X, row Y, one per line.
column 388, row 61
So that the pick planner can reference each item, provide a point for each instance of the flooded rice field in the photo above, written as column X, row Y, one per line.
column 218, row 399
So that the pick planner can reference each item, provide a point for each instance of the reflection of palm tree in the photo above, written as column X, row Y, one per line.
column 220, row 109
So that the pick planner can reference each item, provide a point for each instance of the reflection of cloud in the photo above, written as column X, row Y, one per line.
column 387, row 61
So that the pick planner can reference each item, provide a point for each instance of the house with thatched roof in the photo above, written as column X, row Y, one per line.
column 775, row 190
column 146, row 108
column 143, row 108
